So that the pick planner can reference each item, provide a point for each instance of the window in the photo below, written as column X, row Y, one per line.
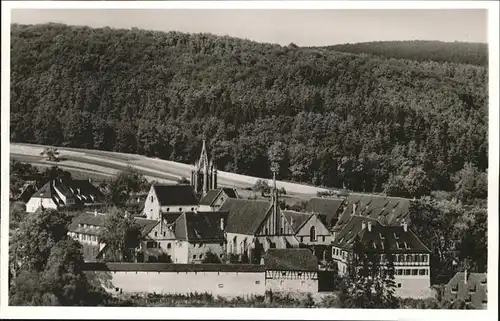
column 180, row 209
column 414, row 272
column 424, row 258
column 302, row 283
column 169, row 246
column 399, row 272
column 417, row 258
column 192, row 209
column 281, row 230
column 283, row 273
column 301, row 239
column 421, row 272
column 221, row 286
column 151, row 199
column 267, row 231
column 407, row 272
column 194, row 257
column 312, row 234
column 156, row 234
column 299, row 274
column 399, row 285
column 324, row 238
column 201, row 256
column 257, row 282
column 409, row 258
column 168, row 209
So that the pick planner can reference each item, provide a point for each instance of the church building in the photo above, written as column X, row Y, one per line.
column 204, row 173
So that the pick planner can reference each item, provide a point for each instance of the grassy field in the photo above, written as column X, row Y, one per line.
column 106, row 163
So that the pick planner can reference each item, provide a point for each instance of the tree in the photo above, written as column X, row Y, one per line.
column 470, row 184
column 46, row 266
column 51, row 153
column 31, row 245
column 210, row 258
column 120, row 233
column 368, row 283
column 473, row 244
column 417, row 183
column 17, row 211
column 261, row 186
column 125, row 183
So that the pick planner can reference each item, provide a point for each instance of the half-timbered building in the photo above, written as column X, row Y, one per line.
column 291, row 270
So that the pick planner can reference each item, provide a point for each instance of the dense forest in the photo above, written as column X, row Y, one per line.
column 456, row 52
column 346, row 120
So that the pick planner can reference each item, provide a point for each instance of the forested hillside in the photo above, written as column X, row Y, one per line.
column 456, row 52
column 361, row 122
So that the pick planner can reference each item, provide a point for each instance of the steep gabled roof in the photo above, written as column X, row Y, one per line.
column 472, row 291
column 175, row 195
column 295, row 259
column 212, row 195
column 296, row 219
column 245, row 216
column 397, row 238
column 146, row 225
column 329, row 207
column 202, row 226
column 46, row 191
column 386, row 210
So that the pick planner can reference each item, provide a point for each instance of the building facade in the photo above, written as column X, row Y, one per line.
column 164, row 199
column 411, row 257
column 291, row 270
column 59, row 194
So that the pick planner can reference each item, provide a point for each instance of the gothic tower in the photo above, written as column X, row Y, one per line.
column 204, row 173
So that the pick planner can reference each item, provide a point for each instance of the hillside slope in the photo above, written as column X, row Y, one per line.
column 339, row 119
column 452, row 52
column 110, row 163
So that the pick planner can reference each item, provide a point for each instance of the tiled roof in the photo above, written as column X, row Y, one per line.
column 296, row 259
column 175, row 195
column 82, row 190
column 473, row 291
column 245, row 216
column 46, row 191
column 211, row 195
column 397, row 239
column 146, row 225
column 387, row 210
column 199, row 226
column 172, row 267
column 329, row 207
column 296, row 219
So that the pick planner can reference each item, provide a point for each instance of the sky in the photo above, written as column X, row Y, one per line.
column 302, row 27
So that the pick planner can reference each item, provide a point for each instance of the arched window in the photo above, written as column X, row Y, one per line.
column 312, row 234
column 169, row 246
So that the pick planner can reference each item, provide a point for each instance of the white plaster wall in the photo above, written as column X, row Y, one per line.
column 413, row 286
column 152, row 208
column 34, row 203
column 179, row 208
column 227, row 284
column 290, row 285
column 205, row 208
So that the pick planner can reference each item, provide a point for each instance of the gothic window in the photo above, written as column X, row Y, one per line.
column 169, row 245
column 151, row 199
column 312, row 234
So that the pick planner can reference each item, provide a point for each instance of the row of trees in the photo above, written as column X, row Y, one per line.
column 341, row 120
column 46, row 266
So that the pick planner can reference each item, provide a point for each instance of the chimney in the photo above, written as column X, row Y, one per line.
column 465, row 276
column 369, row 226
column 353, row 209
column 363, row 225
column 405, row 226
column 90, row 180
